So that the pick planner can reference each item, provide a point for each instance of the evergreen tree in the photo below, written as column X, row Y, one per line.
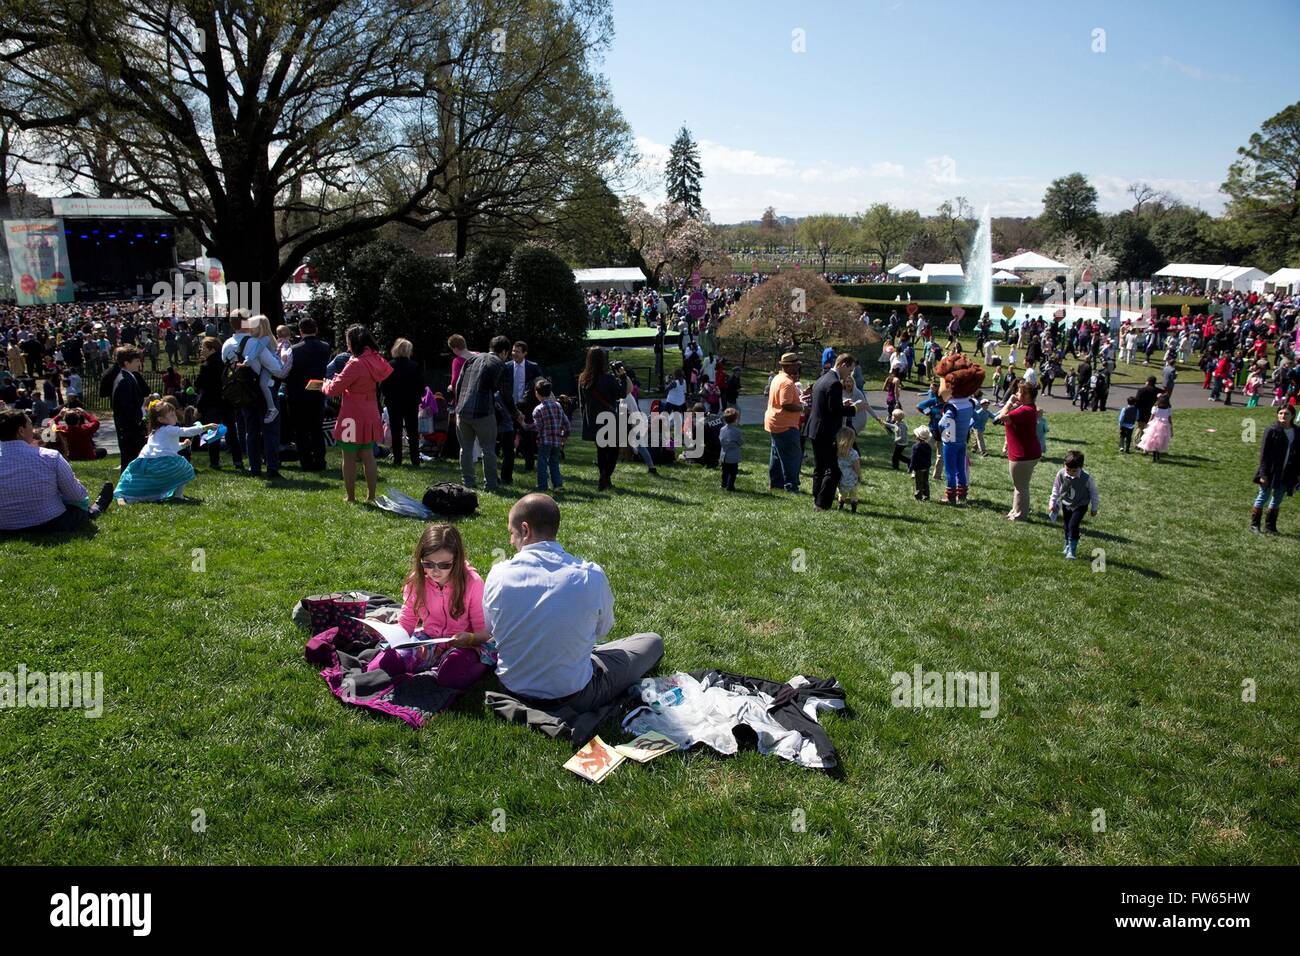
column 682, row 174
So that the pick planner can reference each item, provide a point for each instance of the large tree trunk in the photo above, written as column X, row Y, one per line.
column 249, row 252
column 462, row 237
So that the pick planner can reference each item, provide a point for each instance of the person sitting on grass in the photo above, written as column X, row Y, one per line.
column 442, row 597
column 38, row 491
column 160, row 473
column 78, row 428
column 546, row 609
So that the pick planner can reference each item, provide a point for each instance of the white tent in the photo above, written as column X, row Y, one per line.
column 949, row 273
column 303, row 292
column 1190, row 270
column 1284, row 280
column 1214, row 276
column 623, row 279
column 905, row 272
column 1004, row 276
column 1028, row 260
column 1239, row 278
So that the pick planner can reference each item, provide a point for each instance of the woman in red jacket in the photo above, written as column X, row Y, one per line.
column 1020, row 416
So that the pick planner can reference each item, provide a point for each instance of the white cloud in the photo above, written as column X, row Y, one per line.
column 740, row 183
column 716, row 158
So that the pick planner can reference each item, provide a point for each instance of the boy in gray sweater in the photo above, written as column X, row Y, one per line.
column 731, row 438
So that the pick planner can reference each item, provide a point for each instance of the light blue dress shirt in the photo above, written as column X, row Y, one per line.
column 546, row 610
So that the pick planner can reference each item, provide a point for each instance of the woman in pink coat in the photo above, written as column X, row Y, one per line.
column 359, row 425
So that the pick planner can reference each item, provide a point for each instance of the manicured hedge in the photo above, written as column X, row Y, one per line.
column 1173, row 304
column 1002, row 294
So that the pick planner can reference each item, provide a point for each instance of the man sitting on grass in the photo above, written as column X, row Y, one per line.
column 38, row 491
column 547, row 609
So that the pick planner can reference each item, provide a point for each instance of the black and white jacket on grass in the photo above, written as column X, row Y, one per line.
column 709, row 706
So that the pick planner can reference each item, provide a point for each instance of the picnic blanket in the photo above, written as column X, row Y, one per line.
column 412, row 698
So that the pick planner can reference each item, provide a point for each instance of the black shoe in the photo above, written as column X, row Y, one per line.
column 103, row 501
column 273, row 476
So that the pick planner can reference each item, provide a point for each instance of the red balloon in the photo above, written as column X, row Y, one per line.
column 911, row 308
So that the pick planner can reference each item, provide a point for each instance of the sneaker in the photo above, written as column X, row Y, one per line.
column 1069, row 554
column 271, row 416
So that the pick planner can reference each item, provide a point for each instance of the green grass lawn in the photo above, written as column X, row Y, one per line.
column 1120, row 690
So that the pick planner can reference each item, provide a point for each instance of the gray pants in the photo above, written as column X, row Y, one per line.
column 484, row 430
column 616, row 666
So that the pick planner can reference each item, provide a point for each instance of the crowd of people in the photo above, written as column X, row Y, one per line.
column 260, row 395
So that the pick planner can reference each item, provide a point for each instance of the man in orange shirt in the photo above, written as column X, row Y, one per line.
column 784, row 407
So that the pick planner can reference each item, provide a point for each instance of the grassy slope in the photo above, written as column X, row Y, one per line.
column 1120, row 690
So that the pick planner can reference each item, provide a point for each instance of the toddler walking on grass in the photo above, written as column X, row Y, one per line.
column 731, row 438
column 1074, row 492
column 850, row 468
column 898, row 428
column 919, row 466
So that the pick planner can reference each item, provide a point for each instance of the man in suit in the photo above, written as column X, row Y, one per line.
column 128, row 392
column 523, row 373
column 825, row 419
column 307, row 408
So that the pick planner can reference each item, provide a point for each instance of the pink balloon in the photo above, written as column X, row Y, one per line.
column 958, row 312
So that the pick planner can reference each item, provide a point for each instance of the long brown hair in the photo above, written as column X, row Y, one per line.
column 437, row 537
column 597, row 365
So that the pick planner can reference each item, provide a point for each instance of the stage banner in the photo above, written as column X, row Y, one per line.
column 38, row 256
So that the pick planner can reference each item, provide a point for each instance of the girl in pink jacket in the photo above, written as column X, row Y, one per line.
column 443, row 597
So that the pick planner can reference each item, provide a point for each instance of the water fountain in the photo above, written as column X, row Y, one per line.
column 979, row 267
column 947, row 297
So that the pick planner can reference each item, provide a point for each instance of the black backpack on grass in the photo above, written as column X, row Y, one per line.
column 239, row 385
column 451, row 499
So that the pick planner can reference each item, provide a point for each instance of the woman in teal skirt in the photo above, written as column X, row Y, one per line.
column 159, row 473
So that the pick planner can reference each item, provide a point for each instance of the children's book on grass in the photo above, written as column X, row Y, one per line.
column 594, row 761
column 395, row 635
column 647, row 746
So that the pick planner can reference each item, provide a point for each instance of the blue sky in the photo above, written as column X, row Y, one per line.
column 915, row 101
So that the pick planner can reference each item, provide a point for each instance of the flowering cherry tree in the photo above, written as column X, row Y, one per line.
column 668, row 239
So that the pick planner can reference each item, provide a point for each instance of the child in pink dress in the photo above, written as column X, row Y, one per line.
column 1155, row 437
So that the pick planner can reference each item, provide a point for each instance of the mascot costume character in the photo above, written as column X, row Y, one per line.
column 959, row 379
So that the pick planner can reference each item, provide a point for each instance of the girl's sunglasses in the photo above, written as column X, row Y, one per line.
column 437, row 565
